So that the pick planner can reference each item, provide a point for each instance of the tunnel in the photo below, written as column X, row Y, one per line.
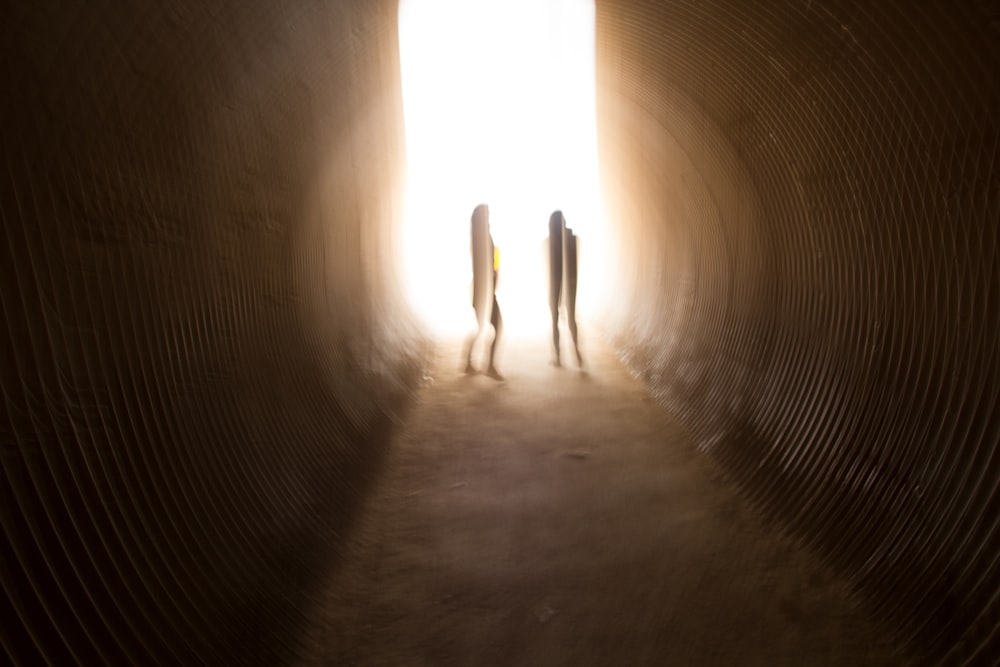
column 207, row 347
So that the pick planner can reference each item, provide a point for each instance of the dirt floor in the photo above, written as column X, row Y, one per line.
column 561, row 518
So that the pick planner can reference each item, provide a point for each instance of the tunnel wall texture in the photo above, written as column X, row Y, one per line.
column 809, row 198
column 206, row 349
column 203, row 348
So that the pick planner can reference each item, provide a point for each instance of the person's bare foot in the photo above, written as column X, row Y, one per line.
column 494, row 373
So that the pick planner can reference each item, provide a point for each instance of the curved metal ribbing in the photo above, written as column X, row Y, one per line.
column 202, row 341
column 811, row 195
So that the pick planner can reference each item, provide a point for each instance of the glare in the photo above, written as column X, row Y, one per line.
column 499, row 109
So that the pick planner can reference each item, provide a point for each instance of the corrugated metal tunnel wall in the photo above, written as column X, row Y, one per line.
column 205, row 348
column 810, row 195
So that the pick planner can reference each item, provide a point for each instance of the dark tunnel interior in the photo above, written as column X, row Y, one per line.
column 207, row 348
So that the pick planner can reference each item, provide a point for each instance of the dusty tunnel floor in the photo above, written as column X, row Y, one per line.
column 562, row 518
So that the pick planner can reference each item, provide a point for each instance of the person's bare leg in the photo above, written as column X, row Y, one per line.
column 571, row 317
column 470, row 343
column 555, row 336
column 497, row 321
column 570, row 288
column 576, row 344
column 557, row 232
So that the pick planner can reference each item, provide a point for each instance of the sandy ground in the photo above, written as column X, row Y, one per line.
column 561, row 518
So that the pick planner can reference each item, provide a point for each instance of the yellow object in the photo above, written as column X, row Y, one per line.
column 496, row 258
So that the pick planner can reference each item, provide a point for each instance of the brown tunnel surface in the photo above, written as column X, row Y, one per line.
column 206, row 350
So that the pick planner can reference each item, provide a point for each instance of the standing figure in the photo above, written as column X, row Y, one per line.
column 562, row 273
column 485, row 270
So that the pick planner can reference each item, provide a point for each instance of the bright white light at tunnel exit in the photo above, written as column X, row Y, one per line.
column 499, row 108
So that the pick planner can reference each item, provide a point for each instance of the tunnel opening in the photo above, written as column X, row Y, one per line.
column 499, row 108
column 205, row 343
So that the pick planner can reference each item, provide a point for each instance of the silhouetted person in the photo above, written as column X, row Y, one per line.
column 485, row 269
column 562, row 281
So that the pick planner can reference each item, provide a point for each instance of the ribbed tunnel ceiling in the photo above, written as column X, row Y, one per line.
column 206, row 350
